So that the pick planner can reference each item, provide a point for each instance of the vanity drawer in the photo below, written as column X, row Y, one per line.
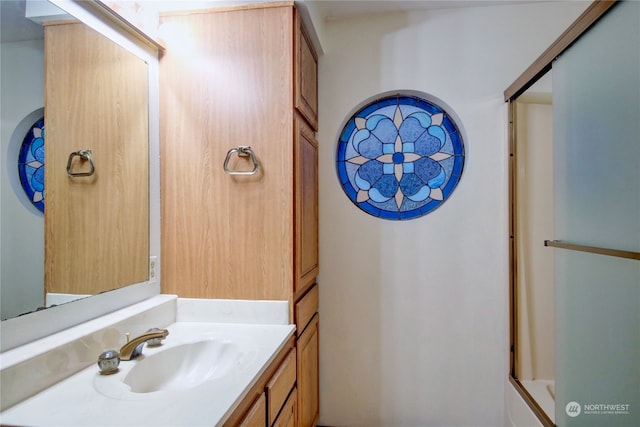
column 255, row 416
column 306, row 308
column 289, row 415
column 280, row 385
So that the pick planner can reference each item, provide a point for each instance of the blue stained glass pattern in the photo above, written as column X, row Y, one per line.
column 400, row 157
column 31, row 164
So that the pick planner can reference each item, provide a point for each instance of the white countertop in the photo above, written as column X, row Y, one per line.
column 88, row 398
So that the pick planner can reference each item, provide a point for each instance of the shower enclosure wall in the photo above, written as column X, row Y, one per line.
column 590, row 220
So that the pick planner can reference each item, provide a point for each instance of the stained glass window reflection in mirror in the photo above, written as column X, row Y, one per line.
column 31, row 164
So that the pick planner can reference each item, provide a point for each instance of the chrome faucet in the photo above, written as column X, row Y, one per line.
column 133, row 347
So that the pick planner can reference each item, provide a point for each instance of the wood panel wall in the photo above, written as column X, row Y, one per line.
column 225, row 81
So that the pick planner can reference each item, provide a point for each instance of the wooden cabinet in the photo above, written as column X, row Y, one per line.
column 244, row 76
column 308, row 374
column 272, row 400
column 306, row 308
column 306, row 215
column 255, row 417
column 280, row 385
column 306, row 75
column 289, row 414
column 306, row 207
column 97, row 226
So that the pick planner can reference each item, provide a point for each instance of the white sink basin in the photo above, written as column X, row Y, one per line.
column 183, row 367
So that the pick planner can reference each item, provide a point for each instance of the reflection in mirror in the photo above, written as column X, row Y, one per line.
column 22, row 224
column 143, row 16
column 96, row 179
column 96, row 228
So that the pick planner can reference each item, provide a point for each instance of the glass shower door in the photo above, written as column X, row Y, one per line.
column 596, row 96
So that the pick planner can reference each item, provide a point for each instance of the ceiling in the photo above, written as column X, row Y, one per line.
column 15, row 27
column 339, row 9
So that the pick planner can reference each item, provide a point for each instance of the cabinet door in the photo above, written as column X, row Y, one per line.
column 257, row 415
column 306, row 206
column 289, row 415
column 308, row 375
column 306, row 75
column 96, row 227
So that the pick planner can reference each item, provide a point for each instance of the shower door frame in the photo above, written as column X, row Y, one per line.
column 532, row 74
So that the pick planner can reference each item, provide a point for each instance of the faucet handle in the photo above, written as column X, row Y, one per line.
column 155, row 342
column 108, row 362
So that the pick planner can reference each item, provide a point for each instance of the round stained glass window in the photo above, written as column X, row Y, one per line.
column 400, row 157
column 31, row 164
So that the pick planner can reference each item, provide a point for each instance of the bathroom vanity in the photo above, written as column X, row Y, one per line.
column 246, row 255
column 239, row 170
column 222, row 362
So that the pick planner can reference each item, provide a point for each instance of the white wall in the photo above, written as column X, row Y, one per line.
column 413, row 314
column 22, row 279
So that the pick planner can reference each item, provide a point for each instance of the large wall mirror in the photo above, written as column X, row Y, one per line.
column 94, row 176
column 22, row 224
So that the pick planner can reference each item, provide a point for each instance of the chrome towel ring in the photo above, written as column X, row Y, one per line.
column 243, row 151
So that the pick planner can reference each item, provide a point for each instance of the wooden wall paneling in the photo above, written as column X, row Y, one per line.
column 227, row 83
column 96, row 228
